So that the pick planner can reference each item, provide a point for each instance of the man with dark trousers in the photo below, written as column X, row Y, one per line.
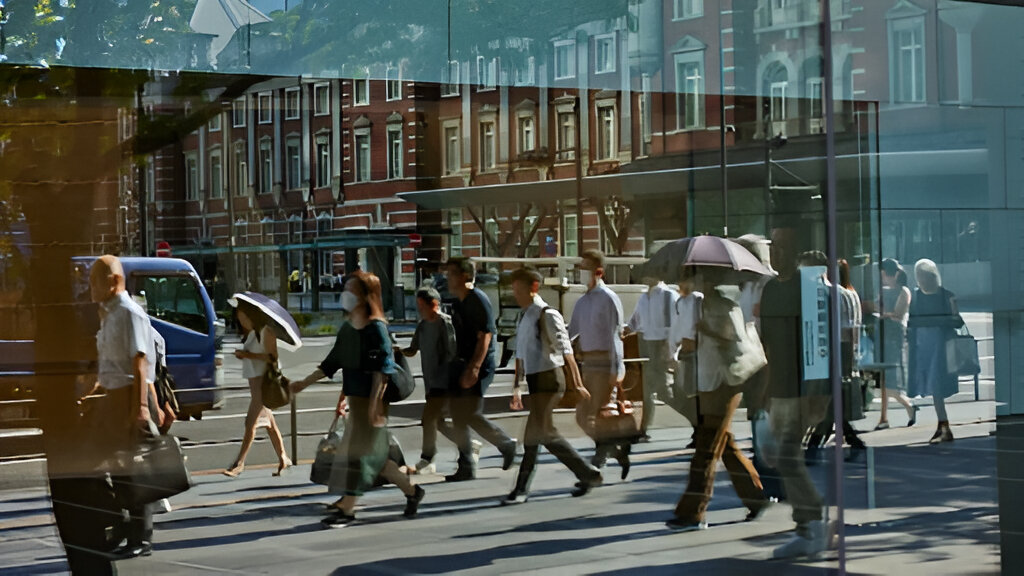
column 545, row 360
column 473, row 369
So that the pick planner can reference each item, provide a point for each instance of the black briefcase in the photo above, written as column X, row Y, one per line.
column 156, row 469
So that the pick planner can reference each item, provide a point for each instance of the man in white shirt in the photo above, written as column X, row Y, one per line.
column 597, row 323
column 545, row 360
column 652, row 320
column 682, row 343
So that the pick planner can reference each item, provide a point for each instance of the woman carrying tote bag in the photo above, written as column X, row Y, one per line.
column 259, row 346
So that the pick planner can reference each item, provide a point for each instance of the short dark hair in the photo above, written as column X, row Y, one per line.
column 464, row 264
column 595, row 256
column 526, row 275
column 890, row 266
column 813, row 258
column 428, row 294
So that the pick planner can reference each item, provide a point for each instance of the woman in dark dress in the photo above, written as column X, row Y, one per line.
column 362, row 351
column 933, row 322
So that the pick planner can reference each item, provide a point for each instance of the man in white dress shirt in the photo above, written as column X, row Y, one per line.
column 652, row 320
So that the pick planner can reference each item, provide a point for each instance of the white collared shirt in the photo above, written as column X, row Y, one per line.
column 125, row 332
column 652, row 317
column 540, row 353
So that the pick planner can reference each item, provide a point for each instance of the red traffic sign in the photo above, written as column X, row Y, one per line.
column 163, row 249
column 415, row 240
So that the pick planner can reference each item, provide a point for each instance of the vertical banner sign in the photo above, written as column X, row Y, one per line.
column 814, row 322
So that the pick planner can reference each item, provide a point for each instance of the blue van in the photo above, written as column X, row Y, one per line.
column 179, row 308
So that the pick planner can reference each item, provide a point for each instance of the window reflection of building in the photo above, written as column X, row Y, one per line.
column 906, row 24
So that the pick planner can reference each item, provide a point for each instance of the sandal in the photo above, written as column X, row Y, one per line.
column 335, row 506
column 235, row 470
column 283, row 466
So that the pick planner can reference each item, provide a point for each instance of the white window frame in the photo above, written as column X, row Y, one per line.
column 265, row 107
column 240, row 164
column 323, row 163
column 908, row 86
column 452, row 74
column 488, row 145
column 361, row 92
column 265, row 158
column 216, row 174
column 526, row 129
column 191, row 176
column 452, row 148
column 691, row 89
column 293, row 162
column 687, row 9
column 645, row 115
column 361, row 169
column 292, row 104
column 816, row 104
column 568, row 47
column 607, row 140
column 570, row 243
column 238, row 112
column 455, row 239
column 395, row 152
column 527, row 75
column 322, row 99
column 565, row 129
column 215, row 123
column 778, row 101
column 486, row 73
column 610, row 53
column 393, row 85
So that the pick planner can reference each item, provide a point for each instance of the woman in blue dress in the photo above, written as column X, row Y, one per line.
column 932, row 325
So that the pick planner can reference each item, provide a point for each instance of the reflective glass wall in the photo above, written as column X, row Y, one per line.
column 280, row 146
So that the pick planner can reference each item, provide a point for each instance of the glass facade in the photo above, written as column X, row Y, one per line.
column 280, row 146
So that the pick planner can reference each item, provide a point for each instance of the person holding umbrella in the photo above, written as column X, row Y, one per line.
column 259, row 320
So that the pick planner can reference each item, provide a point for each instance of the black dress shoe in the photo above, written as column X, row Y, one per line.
column 508, row 455
column 643, row 439
column 461, row 475
column 583, row 487
column 132, row 550
column 623, row 458
column 412, row 503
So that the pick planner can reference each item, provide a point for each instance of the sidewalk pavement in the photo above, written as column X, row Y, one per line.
column 936, row 513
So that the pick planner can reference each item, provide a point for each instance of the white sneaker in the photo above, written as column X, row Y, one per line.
column 425, row 466
column 477, row 445
column 163, row 506
column 808, row 542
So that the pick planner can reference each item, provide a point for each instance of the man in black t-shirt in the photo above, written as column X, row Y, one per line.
column 473, row 369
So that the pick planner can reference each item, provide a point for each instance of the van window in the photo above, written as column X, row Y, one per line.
column 174, row 299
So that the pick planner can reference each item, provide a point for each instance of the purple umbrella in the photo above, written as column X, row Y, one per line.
column 669, row 261
column 284, row 326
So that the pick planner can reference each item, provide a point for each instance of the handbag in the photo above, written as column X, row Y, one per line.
column 326, row 451
column 964, row 360
column 156, row 469
column 400, row 382
column 853, row 398
column 275, row 387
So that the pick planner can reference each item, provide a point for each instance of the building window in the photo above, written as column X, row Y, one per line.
column 487, row 146
column 323, row 164
column 606, row 132
column 565, row 59
column 241, row 170
column 150, row 179
column 451, row 85
column 683, row 9
column 360, row 92
column 238, row 113
column 393, row 85
column 527, row 138
column 321, row 99
column 291, row 104
column 566, row 133
column 689, row 90
column 394, row 152
column 526, row 74
column 644, row 113
column 452, row 160
column 486, row 73
column 214, row 124
column 570, row 242
column 815, row 102
column 266, row 165
column 265, row 106
column 907, row 70
column 604, row 54
column 191, row 177
column 455, row 238
column 362, row 156
column 216, row 175
column 293, row 163
column 776, row 88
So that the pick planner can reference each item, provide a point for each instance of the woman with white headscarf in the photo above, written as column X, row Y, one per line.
column 933, row 322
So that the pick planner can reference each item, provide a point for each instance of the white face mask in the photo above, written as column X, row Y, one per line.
column 586, row 277
column 349, row 301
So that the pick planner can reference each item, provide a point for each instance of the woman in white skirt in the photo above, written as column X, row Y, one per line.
column 259, row 346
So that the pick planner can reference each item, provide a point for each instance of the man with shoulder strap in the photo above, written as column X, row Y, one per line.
column 544, row 358
column 597, row 323
column 652, row 320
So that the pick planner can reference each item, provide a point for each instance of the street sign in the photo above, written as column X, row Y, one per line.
column 415, row 240
column 163, row 249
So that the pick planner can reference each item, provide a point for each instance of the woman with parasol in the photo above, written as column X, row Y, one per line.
column 261, row 321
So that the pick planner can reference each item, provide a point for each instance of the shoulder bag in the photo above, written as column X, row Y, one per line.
column 275, row 387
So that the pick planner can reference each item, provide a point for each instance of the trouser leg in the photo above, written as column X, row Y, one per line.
column 140, row 524
column 484, row 427
column 462, row 408
column 712, row 435
column 432, row 414
column 83, row 510
column 745, row 479
column 526, row 469
column 599, row 384
column 790, row 418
